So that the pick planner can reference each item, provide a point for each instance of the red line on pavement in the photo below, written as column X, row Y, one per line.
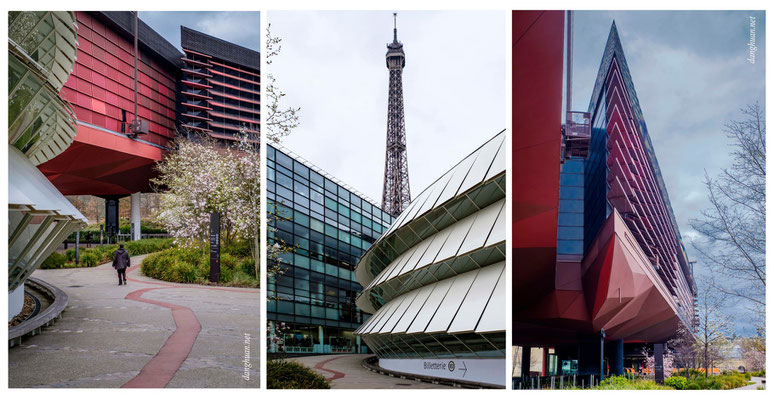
column 336, row 374
column 162, row 367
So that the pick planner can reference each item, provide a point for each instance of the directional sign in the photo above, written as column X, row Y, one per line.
column 489, row 371
column 214, row 247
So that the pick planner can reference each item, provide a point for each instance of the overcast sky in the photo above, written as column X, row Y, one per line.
column 691, row 74
column 240, row 27
column 332, row 66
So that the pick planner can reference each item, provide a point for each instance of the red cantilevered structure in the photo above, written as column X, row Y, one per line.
column 598, row 258
column 103, row 160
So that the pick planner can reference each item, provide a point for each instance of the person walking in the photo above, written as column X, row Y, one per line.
column 121, row 263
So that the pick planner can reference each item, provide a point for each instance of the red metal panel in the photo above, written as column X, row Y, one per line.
column 537, row 106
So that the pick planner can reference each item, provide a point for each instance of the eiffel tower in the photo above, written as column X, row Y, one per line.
column 396, row 194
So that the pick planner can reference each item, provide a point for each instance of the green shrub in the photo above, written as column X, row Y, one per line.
column 692, row 386
column 147, row 246
column 615, row 381
column 89, row 259
column 677, row 382
column 281, row 374
column 192, row 265
column 238, row 248
column 248, row 266
column 760, row 374
column 70, row 254
column 54, row 261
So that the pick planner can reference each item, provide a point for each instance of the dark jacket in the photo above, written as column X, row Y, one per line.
column 121, row 259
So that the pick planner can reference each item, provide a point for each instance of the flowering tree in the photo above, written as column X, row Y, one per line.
column 279, row 121
column 197, row 179
column 668, row 360
column 200, row 177
column 754, row 352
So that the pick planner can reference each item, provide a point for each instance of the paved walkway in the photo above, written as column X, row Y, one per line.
column 757, row 381
column 148, row 333
column 345, row 372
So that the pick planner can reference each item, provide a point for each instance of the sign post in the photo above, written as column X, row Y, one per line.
column 658, row 361
column 214, row 247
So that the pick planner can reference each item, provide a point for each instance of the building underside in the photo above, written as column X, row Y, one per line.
column 600, row 272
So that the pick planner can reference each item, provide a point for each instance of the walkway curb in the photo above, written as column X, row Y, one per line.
column 34, row 326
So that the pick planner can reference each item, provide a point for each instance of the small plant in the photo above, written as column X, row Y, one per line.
column 54, row 261
column 281, row 374
column 677, row 382
column 89, row 259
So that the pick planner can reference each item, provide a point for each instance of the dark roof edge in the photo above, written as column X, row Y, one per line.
column 192, row 39
column 149, row 39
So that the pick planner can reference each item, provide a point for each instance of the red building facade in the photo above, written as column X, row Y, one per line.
column 221, row 87
column 103, row 160
column 600, row 270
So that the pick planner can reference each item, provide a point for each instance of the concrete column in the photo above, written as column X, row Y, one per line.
column 525, row 360
column 616, row 351
column 135, row 219
column 321, row 335
column 544, row 371
column 357, row 341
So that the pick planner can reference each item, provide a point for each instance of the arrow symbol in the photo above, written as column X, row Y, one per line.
column 464, row 368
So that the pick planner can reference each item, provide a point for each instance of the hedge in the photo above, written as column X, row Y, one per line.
column 281, row 374
column 192, row 265
column 91, row 257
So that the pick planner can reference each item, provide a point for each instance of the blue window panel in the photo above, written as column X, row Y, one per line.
column 571, row 192
column 302, row 309
column 571, row 179
column 317, row 208
column 301, row 219
column 284, row 160
column 571, row 205
column 318, row 266
column 284, row 307
column 270, row 152
column 573, row 166
column 317, row 225
column 569, row 246
column 284, row 192
column 318, row 312
column 316, row 178
column 570, row 219
column 331, row 231
column 300, row 169
column 570, row 232
column 285, row 180
column 330, row 203
column 317, row 197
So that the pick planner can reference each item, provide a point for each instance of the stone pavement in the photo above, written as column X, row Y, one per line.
column 757, row 381
column 345, row 372
column 148, row 333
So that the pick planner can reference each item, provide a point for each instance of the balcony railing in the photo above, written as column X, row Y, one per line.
column 576, row 135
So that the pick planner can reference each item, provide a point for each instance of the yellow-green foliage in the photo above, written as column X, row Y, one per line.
column 281, row 374
column 622, row 383
column 93, row 256
column 192, row 265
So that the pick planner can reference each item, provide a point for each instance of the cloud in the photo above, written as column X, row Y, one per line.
column 240, row 27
